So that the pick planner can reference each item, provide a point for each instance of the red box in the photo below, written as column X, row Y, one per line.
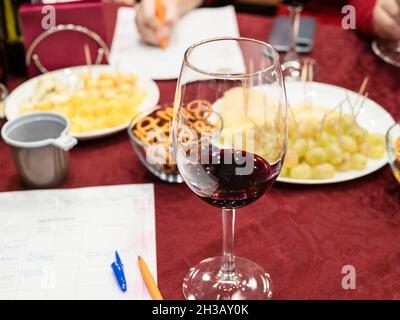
column 65, row 48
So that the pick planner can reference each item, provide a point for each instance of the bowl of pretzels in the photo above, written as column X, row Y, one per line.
column 150, row 134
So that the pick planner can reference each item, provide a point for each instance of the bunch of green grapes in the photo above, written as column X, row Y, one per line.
column 317, row 149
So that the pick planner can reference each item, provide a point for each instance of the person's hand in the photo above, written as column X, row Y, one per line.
column 386, row 19
column 150, row 28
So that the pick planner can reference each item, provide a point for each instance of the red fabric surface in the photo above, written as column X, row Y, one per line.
column 329, row 11
column 364, row 11
column 302, row 235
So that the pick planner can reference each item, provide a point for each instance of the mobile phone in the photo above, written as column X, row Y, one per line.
column 279, row 37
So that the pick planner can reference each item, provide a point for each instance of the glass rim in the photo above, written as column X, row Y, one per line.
column 389, row 131
column 275, row 58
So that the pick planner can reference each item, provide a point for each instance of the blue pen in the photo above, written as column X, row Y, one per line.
column 118, row 268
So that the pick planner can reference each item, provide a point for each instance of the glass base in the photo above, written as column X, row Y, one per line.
column 206, row 281
column 388, row 51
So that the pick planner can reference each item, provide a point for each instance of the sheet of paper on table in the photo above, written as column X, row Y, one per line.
column 59, row 244
column 128, row 52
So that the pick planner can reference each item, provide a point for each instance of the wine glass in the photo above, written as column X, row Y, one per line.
column 291, row 62
column 393, row 149
column 387, row 50
column 235, row 87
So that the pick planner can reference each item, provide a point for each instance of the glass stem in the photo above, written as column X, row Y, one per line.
column 228, row 254
column 294, row 13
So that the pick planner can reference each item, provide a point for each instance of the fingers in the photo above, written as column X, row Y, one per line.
column 147, row 23
column 171, row 17
column 391, row 27
column 150, row 28
column 148, row 9
column 385, row 18
column 172, row 12
column 392, row 8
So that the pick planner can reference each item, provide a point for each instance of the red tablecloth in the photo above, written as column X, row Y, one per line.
column 302, row 236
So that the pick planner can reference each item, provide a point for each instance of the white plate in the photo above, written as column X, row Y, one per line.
column 70, row 76
column 372, row 117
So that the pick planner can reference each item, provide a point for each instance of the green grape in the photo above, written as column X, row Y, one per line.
column 363, row 148
column 291, row 159
column 323, row 171
column 325, row 139
column 308, row 129
column 348, row 144
column 345, row 165
column 376, row 152
column 334, row 153
column 292, row 130
column 358, row 134
column 346, row 122
column 337, row 124
column 315, row 156
column 311, row 143
column 301, row 171
column 376, row 139
column 332, row 126
column 299, row 146
column 358, row 161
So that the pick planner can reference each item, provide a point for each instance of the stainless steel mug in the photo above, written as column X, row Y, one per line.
column 39, row 145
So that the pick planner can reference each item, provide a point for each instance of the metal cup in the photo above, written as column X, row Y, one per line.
column 39, row 145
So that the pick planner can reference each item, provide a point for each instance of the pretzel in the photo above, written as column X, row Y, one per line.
column 156, row 136
column 147, row 124
column 140, row 136
column 186, row 136
column 165, row 128
column 164, row 114
column 201, row 109
column 155, row 130
column 203, row 128
column 170, row 112
column 187, row 115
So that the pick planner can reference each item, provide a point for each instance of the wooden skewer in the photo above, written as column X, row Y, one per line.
column 293, row 115
column 361, row 91
column 340, row 122
column 349, row 102
column 88, row 56
column 304, row 71
column 361, row 96
column 310, row 79
column 363, row 86
column 304, row 76
column 248, row 82
column 310, row 72
column 361, row 105
column 327, row 114
column 307, row 75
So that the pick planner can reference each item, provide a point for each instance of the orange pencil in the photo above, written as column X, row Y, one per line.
column 149, row 280
column 160, row 13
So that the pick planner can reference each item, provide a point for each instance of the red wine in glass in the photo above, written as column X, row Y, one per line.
column 228, row 178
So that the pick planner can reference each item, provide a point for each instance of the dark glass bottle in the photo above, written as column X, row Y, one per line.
column 13, row 55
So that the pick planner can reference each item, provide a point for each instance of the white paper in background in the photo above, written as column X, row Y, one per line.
column 128, row 52
column 59, row 244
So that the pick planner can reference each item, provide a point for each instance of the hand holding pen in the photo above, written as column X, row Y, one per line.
column 155, row 19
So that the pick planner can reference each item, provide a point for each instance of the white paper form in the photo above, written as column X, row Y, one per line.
column 128, row 52
column 59, row 244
